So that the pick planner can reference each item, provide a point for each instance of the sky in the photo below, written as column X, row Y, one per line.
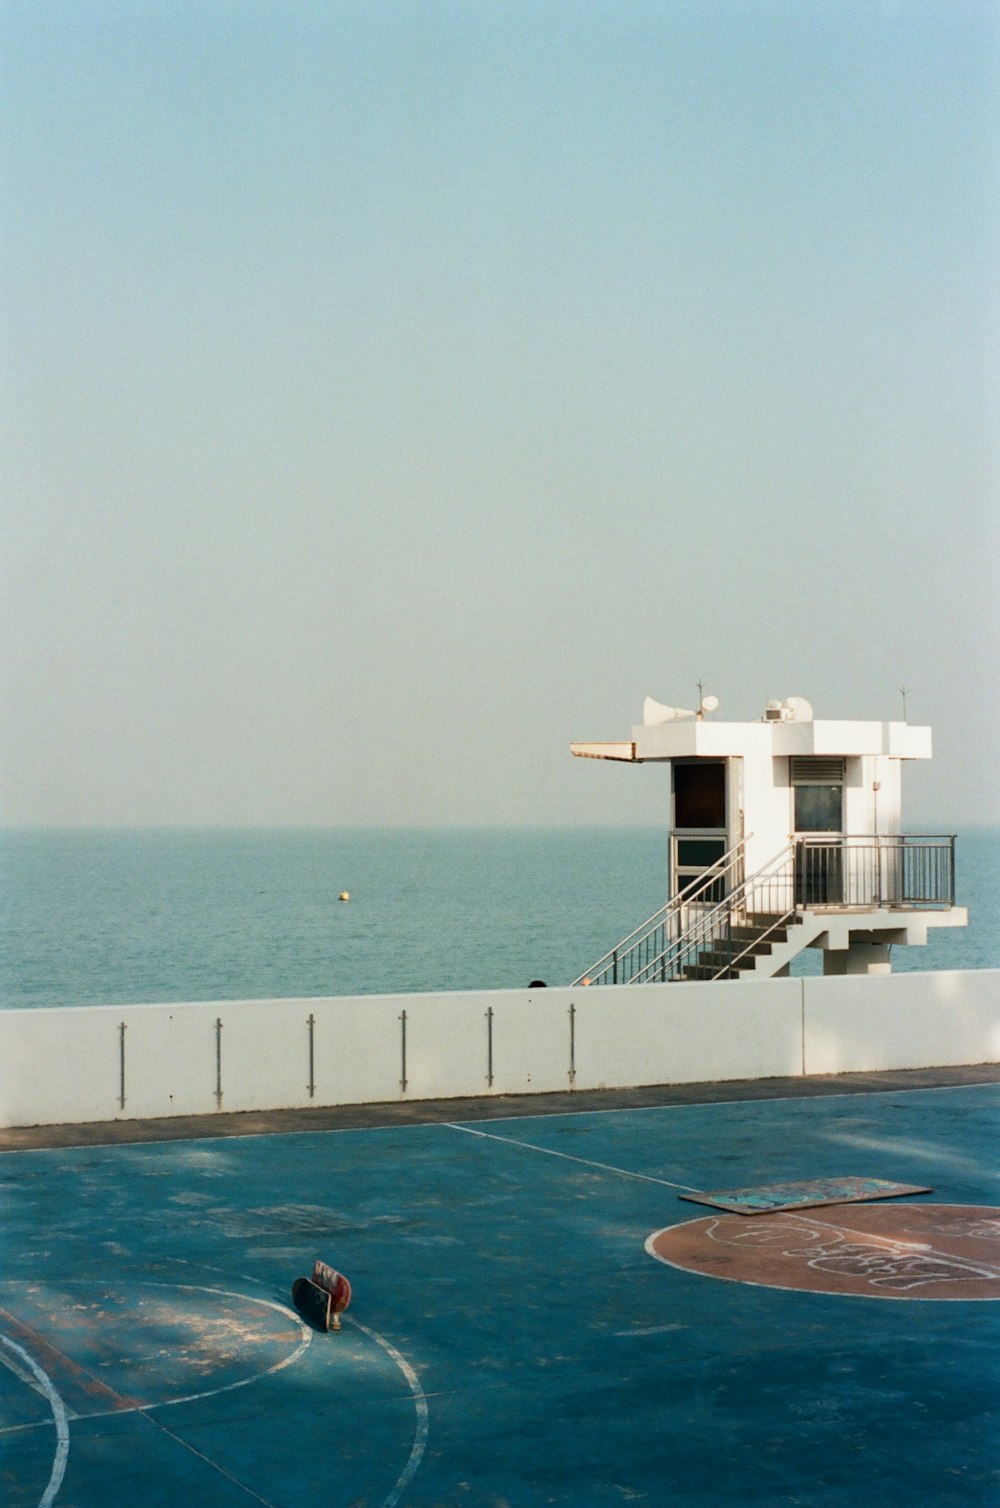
column 394, row 391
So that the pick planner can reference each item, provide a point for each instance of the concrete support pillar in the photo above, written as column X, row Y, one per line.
column 859, row 958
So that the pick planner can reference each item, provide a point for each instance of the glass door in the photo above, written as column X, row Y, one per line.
column 818, row 797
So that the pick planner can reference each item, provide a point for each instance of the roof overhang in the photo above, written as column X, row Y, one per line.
column 623, row 752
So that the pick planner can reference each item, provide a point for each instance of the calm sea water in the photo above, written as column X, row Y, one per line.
column 123, row 917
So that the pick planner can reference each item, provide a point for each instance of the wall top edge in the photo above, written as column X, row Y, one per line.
column 563, row 994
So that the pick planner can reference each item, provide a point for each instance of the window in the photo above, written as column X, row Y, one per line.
column 819, row 795
column 818, row 808
column 708, row 894
column 695, row 856
column 700, row 853
column 700, row 794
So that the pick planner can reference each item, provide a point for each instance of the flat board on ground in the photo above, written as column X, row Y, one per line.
column 808, row 1193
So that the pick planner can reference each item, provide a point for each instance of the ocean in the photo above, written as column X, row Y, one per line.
column 123, row 917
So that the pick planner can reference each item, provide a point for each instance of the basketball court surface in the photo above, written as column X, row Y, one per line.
column 538, row 1316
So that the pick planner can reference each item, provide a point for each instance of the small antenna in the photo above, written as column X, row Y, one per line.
column 904, row 692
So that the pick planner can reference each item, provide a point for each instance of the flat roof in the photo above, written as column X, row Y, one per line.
column 706, row 738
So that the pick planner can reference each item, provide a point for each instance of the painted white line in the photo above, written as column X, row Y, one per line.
column 412, row 1380
column 978, row 1269
column 585, row 1162
column 22, row 1374
column 229, row 1387
column 58, row 1417
column 144, row 1410
column 771, row 1099
column 838, row 1293
column 768, row 1099
column 244, row 1382
column 199, row 1455
column 420, row 1403
column 133, row 1407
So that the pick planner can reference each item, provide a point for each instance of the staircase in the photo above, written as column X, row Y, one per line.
column 742, row 952
column 730, row 927
column 641, row 958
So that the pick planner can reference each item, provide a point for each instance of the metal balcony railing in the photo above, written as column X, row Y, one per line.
column 916, row 872
column 716, row 926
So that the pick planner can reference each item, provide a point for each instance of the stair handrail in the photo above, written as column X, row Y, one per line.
column 669, row 965
column 609, row 961
column 933, row 885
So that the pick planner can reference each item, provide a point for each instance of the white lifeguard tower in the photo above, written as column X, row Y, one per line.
column 785, row 833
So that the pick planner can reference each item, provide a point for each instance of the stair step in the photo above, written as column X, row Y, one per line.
column 762, row 944
column 722, row 960
column 744, row 933
column 748, row 951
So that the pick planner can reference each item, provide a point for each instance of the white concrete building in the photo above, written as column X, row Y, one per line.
column 785, row 833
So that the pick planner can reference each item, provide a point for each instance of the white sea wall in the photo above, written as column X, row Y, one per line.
column 96, row 1063
column 886, row 1021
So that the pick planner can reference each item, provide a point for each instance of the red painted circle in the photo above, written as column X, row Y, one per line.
column 901, row 1251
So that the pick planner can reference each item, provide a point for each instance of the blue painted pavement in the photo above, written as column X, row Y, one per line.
column 510, row 1341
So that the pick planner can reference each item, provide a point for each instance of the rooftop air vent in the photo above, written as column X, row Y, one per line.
column 794, row 709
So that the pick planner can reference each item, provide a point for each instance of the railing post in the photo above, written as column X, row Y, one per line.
column 312, row 1056
column 218, row 1063
column 489, row 1047
column 121, row 1066
column 572, row 1044
column 614, row 967
column 402, row 1023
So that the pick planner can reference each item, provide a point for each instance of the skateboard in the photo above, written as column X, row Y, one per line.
column 336, row 1285
column 312, row 1302
column 322, row 1298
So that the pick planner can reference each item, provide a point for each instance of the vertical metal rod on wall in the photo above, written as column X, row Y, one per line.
column 878, row 869
column 218, row 1063
column 312, row 1056
column 402, row 1021
column 121, row 1066
column 572, row 1043
column 489, row 1047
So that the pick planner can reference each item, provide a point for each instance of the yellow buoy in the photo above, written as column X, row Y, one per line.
column 345, row 895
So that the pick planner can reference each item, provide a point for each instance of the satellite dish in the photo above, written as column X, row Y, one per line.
column 654, row 713
column 799, row 710
column 710, row 704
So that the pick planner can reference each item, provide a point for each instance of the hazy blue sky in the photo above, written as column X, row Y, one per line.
column 394, row 392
